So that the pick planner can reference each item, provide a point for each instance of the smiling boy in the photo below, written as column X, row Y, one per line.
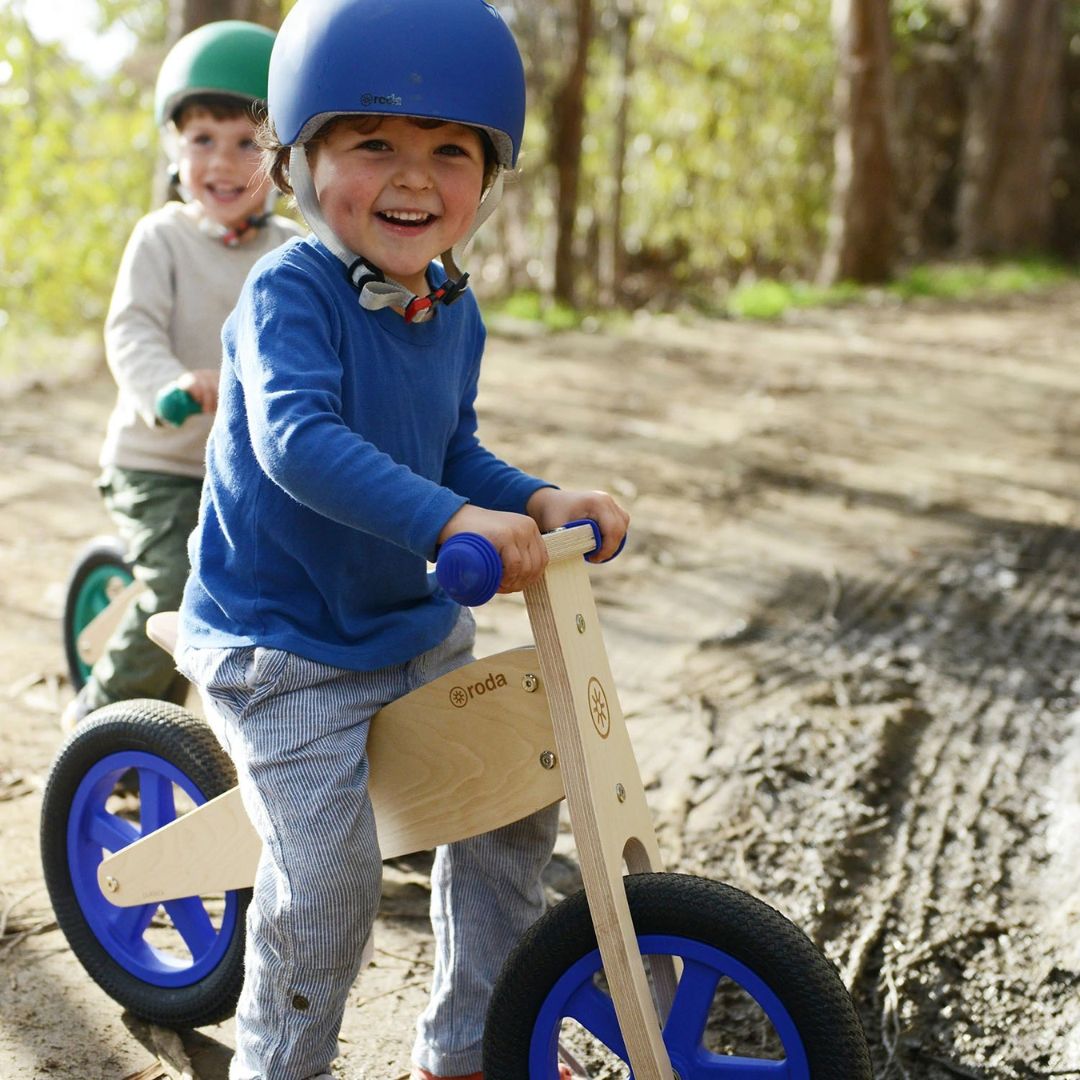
column 344, row 452
column 179, row 277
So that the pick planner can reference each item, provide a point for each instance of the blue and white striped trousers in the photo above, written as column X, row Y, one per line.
column 297, row 732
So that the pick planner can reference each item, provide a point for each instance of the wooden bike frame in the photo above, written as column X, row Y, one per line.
column 481, row 747
column 91, row 642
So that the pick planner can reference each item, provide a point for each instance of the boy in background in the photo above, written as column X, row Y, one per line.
column 179, row 278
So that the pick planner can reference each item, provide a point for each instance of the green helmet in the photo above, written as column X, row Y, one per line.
column 228, row 58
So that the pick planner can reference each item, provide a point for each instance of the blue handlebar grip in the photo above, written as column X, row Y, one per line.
column 469, row 568
column 174, row 405
column 597, row 537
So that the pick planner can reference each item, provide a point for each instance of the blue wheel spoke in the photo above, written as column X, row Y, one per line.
column 685, row 1028
column 192, row 923
column 595, row 1011
column 111, row 832
column 157, row 805
column 147, row 949
column 132, row 922
column 574, row 995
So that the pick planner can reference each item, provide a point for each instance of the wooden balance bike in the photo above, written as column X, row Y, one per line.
column 667, row 971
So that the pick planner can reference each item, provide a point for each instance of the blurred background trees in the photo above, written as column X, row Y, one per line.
column 861, row 243
column 673, row 148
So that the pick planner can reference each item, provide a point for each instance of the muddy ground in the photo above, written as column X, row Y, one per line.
column 846, row 634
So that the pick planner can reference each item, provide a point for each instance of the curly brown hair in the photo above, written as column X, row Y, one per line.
column 275, row 161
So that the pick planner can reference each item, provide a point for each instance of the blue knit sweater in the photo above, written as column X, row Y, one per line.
column 344, row 440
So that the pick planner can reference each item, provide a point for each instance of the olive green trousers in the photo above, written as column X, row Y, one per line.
column 154, row 514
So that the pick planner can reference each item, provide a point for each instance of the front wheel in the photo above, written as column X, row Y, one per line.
column 755, row 999
column 178, row 963
column 98, row 575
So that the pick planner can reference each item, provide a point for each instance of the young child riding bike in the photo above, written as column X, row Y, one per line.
column 344, row 452
column 180, row 275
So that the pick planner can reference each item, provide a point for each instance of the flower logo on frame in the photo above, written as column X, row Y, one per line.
column 598, row 708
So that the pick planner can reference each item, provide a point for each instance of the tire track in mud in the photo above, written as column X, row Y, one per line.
column 891, row 795
column 947, row 855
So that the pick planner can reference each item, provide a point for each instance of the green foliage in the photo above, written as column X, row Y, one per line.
column 967, row 281
column 146, row 20
column 769, row 299
column 727, row 172
column 530, row 306
column 923, row 20
column 76, row 157
column 729, row 157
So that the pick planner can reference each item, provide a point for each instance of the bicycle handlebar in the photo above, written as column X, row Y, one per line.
column 174, row 405
column 469, row 568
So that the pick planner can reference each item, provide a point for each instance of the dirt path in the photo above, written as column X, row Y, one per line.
column 846, row 635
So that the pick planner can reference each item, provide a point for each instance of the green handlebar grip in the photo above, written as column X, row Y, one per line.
column 174, row 405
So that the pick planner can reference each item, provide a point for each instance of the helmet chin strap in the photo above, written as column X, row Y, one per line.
column 229, row 235
column 375, row 288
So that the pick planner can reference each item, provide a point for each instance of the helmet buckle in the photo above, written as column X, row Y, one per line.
column 449, row 291
column 417, row 306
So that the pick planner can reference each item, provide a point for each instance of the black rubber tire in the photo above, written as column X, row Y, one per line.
column 700, row 910
column 101, row 551
column 187, row 742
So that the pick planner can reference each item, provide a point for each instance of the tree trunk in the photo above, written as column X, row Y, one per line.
column 1014, row 121
column 613, row 262
column 862, row 229
column 187, row 15
column 567, row 126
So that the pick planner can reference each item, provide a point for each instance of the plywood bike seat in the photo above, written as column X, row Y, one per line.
column 467, row 753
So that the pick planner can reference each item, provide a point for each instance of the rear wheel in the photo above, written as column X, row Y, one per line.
column 179, row 963
column 100, row 572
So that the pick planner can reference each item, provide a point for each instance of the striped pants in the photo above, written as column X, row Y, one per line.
column 297, row 732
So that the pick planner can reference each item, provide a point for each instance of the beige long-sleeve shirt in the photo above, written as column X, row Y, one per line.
column 174, row 290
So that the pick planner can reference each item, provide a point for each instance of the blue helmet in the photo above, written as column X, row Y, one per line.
column 453, row 60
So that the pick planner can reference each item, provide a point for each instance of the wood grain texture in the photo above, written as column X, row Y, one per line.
column 455, row 758
column 604, row 795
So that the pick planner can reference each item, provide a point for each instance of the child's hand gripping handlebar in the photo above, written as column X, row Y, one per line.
column 469, row 569
column 174, row 405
